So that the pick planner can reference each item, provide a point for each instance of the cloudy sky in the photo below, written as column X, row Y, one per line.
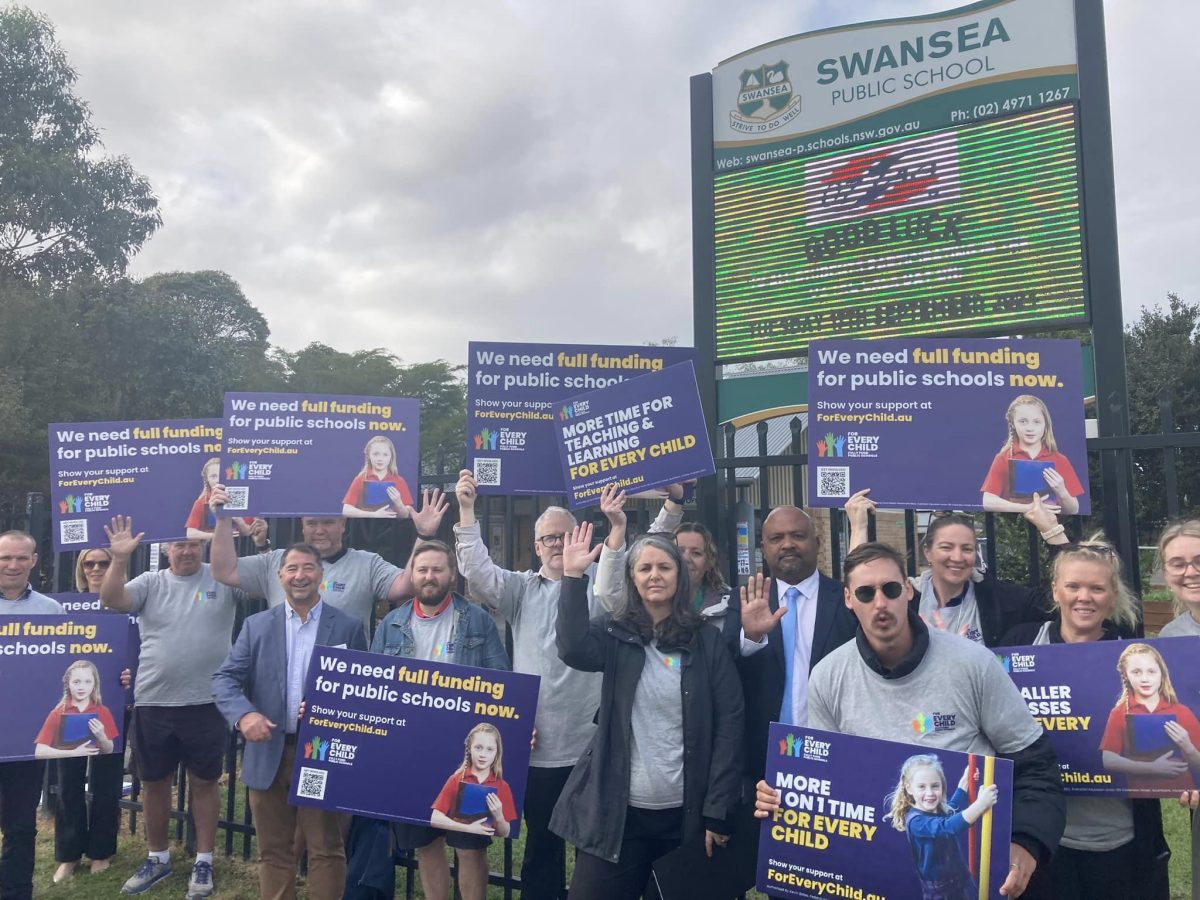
column 417, row 175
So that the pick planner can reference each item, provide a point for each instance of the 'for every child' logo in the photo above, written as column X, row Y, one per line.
column 932, row 723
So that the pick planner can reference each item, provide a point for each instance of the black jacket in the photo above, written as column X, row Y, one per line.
column 1150, row 847
column 764, row 672
column 590, row 813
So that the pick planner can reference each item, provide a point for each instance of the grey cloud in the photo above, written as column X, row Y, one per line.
column 416, row 176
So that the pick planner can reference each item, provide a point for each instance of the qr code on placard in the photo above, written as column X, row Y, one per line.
column 487, row 472
column 72, row 531
column 833, row 481
column 312, row 783
column 239, row 498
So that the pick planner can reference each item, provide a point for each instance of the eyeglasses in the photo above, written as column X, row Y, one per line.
column 1179, row 566
column 96, row 563
column 552, row 540
column 866, row 593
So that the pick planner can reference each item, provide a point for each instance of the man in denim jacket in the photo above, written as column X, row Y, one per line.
column 438, row 624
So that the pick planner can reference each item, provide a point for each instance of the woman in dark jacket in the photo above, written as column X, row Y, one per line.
column 662, row 768
column 1112, row 848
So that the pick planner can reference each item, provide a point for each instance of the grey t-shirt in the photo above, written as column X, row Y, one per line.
column 352, row 583
column 957, row 698
column 1181, row 626
column 656, row 741
column 186, row 628
column 433, row 634
column 528, row 601
column 962, row 618
column 34, row 605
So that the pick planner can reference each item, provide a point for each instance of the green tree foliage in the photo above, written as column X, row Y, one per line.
column 319, row 368
column 1163, row 352
column 65, row 210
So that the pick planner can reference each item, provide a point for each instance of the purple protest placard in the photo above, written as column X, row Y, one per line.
column 948, row 424
column 868, row 818
column 321, row 455
column 639, row 434
column 513, row 391
column 395, row 738
column 70, row 701
column 156, row 471
column 1122, row 715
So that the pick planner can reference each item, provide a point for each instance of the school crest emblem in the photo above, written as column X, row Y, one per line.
column 766, row 100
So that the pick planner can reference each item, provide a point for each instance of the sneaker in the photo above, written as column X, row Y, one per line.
column 201, row 882
column 150, row 874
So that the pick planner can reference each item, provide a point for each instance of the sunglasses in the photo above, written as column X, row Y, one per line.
column 866, row 593
column 96, row 563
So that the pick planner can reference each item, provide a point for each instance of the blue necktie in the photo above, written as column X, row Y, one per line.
column 788, row 625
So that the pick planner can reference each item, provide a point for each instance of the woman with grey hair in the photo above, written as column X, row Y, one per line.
column 663, row 767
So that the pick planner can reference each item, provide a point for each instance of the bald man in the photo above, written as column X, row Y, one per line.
column 802, row 620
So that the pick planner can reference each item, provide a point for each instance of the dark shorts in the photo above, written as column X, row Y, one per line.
column 413, row 837
column 165, row 736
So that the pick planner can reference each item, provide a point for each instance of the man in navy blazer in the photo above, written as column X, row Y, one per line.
column 259, row 689
column 782, row 641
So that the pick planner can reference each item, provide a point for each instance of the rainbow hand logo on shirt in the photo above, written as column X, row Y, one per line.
column 331, row 585
column 202, row 595
column 671, row 662
column 925, row 723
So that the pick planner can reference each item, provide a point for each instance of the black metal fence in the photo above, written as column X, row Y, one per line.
column 780, row 479
column 392, row 539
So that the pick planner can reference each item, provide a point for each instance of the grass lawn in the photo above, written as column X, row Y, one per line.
column 236, row 880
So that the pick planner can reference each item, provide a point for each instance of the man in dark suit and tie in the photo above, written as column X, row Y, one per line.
column 803, row 620
column 259, row 689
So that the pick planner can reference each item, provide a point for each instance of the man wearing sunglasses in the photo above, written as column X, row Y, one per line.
column 900, row 678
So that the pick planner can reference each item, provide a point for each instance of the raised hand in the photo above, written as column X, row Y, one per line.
column 757, row 618
column 612, row 504
column 1041, row 514
column 258, row 531
column 217, row 498
column 121, row 539
column 859, row 508
column 578, row 552
column 428, row 519
column 466, row 489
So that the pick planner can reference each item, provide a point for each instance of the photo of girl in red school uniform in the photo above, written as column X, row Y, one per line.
column 1030, row 464
column 80, row 724
column 476, row 798
column 1151, row 738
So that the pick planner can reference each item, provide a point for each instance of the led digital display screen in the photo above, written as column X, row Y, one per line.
column 973, row 228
